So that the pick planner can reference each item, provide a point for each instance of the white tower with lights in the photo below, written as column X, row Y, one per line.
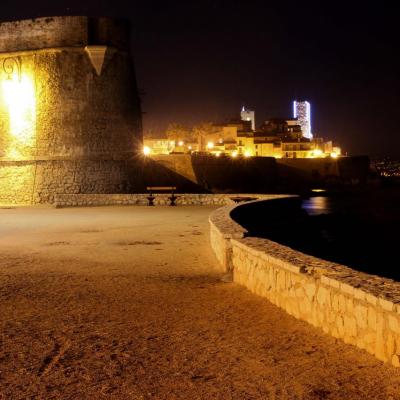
column 302, row 111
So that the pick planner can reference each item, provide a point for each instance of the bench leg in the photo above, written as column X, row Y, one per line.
column 151, row 200
column 173, row 200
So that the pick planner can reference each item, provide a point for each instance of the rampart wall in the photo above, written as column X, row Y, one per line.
column 216, row 174
column 260, row 174
column 351, row 170
column 361, row 309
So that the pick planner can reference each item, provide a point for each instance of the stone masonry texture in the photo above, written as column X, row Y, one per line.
column 361, row 309
column 84, row 128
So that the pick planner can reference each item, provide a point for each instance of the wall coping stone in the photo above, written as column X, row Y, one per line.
column 333, row 274
column 221, row 218
column 140, row 199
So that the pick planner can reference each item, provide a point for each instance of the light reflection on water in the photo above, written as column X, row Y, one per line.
column 318, row 205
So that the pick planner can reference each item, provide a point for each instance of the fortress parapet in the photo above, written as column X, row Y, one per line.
column 52, row 32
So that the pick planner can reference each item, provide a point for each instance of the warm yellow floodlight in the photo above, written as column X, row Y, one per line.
column 146, row 150
column 18, row 94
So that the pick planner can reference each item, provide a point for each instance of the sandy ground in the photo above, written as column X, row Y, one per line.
column 126, row 303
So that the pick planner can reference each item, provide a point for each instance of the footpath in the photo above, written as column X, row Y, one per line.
column 128, row 303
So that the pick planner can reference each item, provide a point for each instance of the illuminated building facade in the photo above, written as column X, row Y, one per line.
column 276, row 137
column 70, row 116
column 248, row 115
column 302, row 112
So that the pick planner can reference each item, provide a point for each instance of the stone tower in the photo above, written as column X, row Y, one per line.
column 248, row 115
column 70, row 118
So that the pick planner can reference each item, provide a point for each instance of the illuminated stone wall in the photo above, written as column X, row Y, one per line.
column 162, row 199
column 68, row 105
column 361, row 309
column 17, row 181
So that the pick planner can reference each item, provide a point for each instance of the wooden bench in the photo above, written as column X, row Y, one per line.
column 153, row 189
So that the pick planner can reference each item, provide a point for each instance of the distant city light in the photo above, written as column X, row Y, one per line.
column 190, row 147
column 180, row 143
column 318, row 190
column 317, row 153
column 210, row 145
column 218, row 153
column 146, row 150
column 247, row 153
column 234, row 153
column 334, row 154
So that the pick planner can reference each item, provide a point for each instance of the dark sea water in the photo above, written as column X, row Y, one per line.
column 357, row 230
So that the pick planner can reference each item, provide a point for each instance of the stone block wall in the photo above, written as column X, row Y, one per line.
column 40, row 182
column 48, row 32
column 223, row 174
column 16, row 183
column 361, row 309
column 72, row 125
column 140, row 199
column 74, row 114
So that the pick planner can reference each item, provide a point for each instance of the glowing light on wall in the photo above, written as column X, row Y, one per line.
column 247, row 153
column 18, row 93
column 210, row 145
column 146, row 150
column 317, row 153
column 234, row 153
column 334, row 155
column 180, row 143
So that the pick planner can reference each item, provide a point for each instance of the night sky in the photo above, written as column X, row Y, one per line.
column 202, row 60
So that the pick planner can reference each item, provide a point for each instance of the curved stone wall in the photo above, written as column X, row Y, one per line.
column 69, row 108
column 361, row 309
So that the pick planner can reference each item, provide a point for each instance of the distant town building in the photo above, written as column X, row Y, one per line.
column 248, row 115
column 302, row 112
column 276, row 137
